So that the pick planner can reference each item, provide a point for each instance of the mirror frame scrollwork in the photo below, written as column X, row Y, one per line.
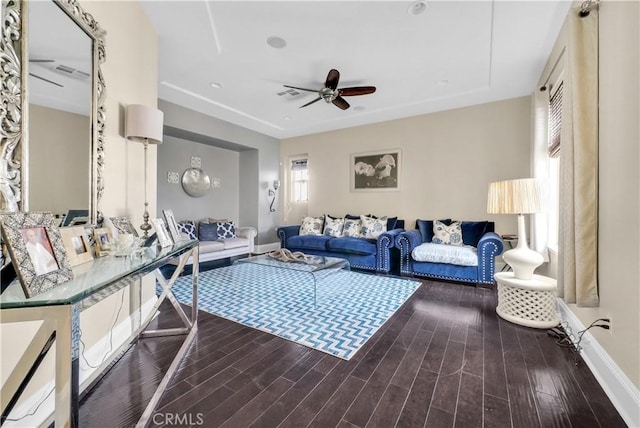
column 14, row 112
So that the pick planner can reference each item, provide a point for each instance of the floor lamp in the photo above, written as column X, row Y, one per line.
column 144, row 125
column 520, row 197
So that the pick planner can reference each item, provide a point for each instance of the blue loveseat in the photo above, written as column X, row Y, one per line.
column 479, row 235
column 378, row 255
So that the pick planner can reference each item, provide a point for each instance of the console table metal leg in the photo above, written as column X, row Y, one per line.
column 67, row 366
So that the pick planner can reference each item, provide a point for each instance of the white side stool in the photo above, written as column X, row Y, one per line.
column 528, row 302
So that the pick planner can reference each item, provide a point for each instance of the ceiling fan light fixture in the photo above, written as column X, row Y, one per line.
column 276, row 42
column 417, row 7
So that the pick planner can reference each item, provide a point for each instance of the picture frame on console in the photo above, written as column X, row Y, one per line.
column 76, row 244
column 161, row 232
column 103, row 239
column 37, row 250
column 172, row 225
column 123, row 225
column 376, row 171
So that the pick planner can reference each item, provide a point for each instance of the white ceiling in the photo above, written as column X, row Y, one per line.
column 455, row 54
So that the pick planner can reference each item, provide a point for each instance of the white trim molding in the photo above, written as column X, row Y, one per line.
column 266, row 248
column 621, row 391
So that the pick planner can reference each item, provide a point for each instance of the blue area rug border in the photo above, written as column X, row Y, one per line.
column 351, row 306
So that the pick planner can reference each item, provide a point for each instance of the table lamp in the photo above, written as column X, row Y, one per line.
column 144, row 125
column 520, row 197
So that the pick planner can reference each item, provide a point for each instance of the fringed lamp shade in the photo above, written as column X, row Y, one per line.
column 523, row 196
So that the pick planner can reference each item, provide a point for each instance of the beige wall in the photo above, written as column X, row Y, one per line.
column 448, row 160
column 59, row 160
column 619, row 186
column 130, row 73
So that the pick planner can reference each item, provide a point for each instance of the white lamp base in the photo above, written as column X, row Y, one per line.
column 523, row 260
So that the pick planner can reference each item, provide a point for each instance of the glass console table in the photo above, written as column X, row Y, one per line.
column 60, row 309
column 316, row 267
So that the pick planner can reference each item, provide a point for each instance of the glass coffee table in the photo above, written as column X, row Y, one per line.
column 316, row 268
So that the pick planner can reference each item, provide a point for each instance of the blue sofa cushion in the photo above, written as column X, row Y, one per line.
column 426, row 228
column 472, row 231
column 353, row 246
column 309, row 242
column 207, row 231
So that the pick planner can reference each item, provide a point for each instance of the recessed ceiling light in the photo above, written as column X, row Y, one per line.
column 358, row 108
column 417, row 7
column 216, row 85
column 287, row 118
column 443, row 82
column 276, row 42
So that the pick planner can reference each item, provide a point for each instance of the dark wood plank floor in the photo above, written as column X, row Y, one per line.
column 443, row 360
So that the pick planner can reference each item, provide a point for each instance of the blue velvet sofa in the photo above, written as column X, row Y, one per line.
column 477, row 234
column 378, row 255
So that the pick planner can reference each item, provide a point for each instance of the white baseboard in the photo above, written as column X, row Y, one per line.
column 44, row 416
column 621, row 391
column 265, row 248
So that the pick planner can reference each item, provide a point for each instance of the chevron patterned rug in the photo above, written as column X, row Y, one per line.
column 349, row 307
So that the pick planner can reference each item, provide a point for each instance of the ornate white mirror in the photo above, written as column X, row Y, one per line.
column 52, row 108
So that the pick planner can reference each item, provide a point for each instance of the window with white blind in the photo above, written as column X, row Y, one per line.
column 299, row 181
column 554, row 140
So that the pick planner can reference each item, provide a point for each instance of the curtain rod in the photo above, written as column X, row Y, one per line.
column 587, row 6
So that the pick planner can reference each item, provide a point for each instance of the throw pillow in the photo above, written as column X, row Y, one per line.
column 311, row 226
column 333, row 226
column 351, row 227
column 449, row 235
column 373, row 227
column 426, row 228
column 207, row 231
column 472, row 231
column 188, row 228
column 226, row 230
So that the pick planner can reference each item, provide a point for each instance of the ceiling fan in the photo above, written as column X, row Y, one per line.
column 332, row 94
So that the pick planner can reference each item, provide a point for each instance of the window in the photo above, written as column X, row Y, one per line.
column 555, row 128
column 299, row 181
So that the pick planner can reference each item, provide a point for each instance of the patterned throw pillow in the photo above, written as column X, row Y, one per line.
column 373, row 227
column 333, row 226
column 448, row 235
column 226, row 230
column 351, row 227
column 188, row 227
column 311, row 225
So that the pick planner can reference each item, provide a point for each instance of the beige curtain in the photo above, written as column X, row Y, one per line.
column 578, row 244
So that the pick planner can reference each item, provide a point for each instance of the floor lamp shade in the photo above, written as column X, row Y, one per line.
column 143, row 123
column 523, row 196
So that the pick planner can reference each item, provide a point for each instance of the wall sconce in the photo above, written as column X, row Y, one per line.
column 272, row 194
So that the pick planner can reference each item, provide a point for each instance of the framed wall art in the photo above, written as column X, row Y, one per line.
column 376, row 171
column 172, row 225
column 161, row 232
column 36, row 249
column 76, row 244
column 103, row 239
column 123, row 225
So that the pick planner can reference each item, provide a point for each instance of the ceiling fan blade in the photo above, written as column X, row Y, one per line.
column 357, row 90
column 46, row 80
column 41, row 60
column 332, row 79
column 301, row 89
column 341, row 102
column 311, row 102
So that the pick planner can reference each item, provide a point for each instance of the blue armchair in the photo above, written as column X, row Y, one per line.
column 480, row 235
column 378, row 255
